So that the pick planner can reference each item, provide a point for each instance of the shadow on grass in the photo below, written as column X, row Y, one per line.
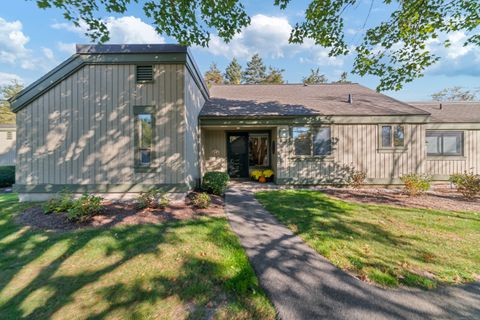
column 45, row 272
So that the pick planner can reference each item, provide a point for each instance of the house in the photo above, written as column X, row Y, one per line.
column 7, row 144
column 120, row 119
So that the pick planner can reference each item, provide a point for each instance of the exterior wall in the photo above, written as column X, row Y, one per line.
column 442, row 167
column 80, row 132
column 194, row 102
column 7, row 147
column 214, row 155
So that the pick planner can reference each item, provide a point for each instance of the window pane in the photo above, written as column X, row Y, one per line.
column 258, row 148
column 321, row 142
column 399, row 136
column 386, row 136
column 452, row 143
column 145, row 156
column 302, row 141
column 433, row 144
column 144, row 137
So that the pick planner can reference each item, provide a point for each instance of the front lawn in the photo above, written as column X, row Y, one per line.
column 390, row 246
column 192, row 269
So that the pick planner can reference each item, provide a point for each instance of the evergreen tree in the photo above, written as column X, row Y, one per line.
column 213, row 76
column 274, row 76
column 233, row 72
column 256, row 71
column 7, row 92
column 315, row 77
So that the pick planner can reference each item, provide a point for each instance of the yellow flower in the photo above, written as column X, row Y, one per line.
column 256, row 174
column 268, row 173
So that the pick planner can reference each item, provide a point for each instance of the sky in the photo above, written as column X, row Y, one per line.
column 33, row 41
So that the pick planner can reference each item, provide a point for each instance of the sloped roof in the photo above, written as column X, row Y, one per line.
column 466, row 112
column 302, row 100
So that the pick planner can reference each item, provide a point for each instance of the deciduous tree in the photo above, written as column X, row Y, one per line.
column 213, row 76
column 7, row 92
column 315, row 77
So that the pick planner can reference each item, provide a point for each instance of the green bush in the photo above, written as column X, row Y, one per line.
column 7, row 176
column 357, row 178
column 215, row 182
column 467, row 183
column 201, row 200
column 84, row 208
column 62, row 202
column 154, row 198
column 416, row 184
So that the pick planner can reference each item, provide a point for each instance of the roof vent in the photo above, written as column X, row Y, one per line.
column 350, row 98
column 441, row 106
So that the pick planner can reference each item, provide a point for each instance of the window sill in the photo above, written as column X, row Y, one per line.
column 392, row 150
column 455, row 158
column 324, row 158
column 144, row 169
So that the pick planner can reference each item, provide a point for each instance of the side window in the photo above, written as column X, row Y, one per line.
column 144, row 136
column 302, row 141
column 392, row 136
column 322, row 142
column 444, row 143
column 312, row 141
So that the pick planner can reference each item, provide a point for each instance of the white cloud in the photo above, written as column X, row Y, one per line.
column 7, row 78
column 12, row 44
column 122, row 30
column 68, row 48
column 268, row 36
column 48, row 53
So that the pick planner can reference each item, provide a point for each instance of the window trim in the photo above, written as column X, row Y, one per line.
column 443, row 155
column 137, row 166
column 144, row 81
column 311, row 155
column 392, row 148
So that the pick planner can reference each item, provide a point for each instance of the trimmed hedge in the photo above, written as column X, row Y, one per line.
column 215, row 182
column 7, row 176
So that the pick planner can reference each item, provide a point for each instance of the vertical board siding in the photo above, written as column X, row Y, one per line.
column 81, row 130
column 7, row 148
column 215, row 150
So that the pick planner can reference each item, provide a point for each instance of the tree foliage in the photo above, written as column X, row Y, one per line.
column 213, row 76
column 233, row 72
column 395, row 50
column 455, row 94
column 344, row 78
column 274, row 76
column 7, row 92
column 256, row 71
column 315, row 77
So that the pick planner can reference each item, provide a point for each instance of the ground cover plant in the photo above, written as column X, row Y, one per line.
column 191, row 269
column 386, row 245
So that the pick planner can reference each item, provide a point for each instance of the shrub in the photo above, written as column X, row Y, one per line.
column 357, row 178
column 416, row 184
column 467, row 183
column 62, row 202
column 84, row 208
column 7, row 176
column 201, row 200
column 215, row 182
column 154, row 198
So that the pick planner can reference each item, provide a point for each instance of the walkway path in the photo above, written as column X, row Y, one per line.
column 304, row 285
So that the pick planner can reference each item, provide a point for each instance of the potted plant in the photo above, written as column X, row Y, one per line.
column 255, row 175
column 268, row 174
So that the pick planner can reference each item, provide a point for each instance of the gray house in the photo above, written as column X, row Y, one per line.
column 7, row 144
column 120, row 119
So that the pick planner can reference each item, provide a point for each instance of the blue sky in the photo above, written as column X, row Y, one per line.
column 32, row 41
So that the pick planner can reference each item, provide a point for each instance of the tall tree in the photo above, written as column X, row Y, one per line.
column 256, row 71
column 213, row 76
column 7, row 92
column 393, row 49
column 454, row 94
column 315, row 77
column 344, row 78
column 274, row 76
column 233, row 72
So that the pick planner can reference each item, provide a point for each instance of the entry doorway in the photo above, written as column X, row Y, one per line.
column 246, row 150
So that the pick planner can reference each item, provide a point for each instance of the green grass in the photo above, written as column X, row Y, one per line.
column 387, row 245
column 191, row 269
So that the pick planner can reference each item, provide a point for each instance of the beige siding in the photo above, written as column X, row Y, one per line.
column 443, row 168
column 81, row 131
column 194, row 102
column 214, row 143
column 7, row 147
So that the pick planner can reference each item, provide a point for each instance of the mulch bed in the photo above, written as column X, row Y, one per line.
column 438, row 199
column 121, row 213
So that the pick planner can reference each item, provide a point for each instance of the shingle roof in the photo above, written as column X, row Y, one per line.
column 451, row 111
column 298, row 99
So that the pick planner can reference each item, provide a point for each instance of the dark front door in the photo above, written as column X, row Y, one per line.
column 237, row 153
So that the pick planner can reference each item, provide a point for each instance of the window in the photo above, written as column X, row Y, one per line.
column 144, row 74
column 144, row 130
column 392, row 136
column 258, row 149
column 9, row 135
column 312, row 141
column 444, row 143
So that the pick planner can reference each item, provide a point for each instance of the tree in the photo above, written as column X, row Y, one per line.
column 395, row 49
column 315, row 77
column 274, row 76
column 344, row 78
column 213, row 76
column 454, row 94
column 7, row 92
column 255, row 72
column 233, row 72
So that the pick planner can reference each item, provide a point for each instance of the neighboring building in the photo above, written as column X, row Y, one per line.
column 7, row 144
column 120, row 119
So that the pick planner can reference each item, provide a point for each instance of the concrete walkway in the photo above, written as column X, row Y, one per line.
column 304, row 285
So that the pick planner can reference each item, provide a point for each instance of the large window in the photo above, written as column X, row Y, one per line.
column 144, row 130
column 445, row 143
column 392, row 136
column 258, row 149
column 312, row 141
